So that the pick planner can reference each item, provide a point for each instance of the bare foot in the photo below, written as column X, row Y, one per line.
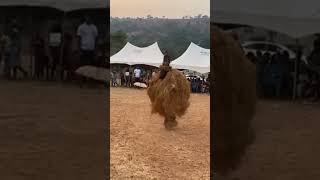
column 170, row 125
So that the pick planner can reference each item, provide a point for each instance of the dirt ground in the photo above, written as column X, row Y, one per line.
column 286, row 145
column 141, row 148
column 50, row 131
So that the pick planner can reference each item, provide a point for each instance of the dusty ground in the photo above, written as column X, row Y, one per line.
column 287, row 143
column 142, row 149
column 50, row 131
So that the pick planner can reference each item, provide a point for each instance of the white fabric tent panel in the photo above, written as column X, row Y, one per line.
column 64, row 5
column 195, row 58
column 293, row 17
column 132, row 55
column 295, row 28
column 283, row 8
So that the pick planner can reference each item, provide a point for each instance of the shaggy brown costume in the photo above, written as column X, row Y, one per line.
column 234, row 100
column 169, row 96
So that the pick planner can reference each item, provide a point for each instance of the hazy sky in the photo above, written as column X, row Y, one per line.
column 159, row 8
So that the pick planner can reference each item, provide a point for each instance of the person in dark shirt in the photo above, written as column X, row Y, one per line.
column 315, row 54
column 2, row 45
column 15, row 49
column 67, row 59
column 40, row 60
column 165, row 67
column 251, row 57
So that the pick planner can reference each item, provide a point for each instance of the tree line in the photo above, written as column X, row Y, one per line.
column 172, row 35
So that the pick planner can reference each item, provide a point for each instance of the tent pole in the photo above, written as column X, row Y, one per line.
column 60, row 68
column 296, row 69
column 31, row 65
column 294, row 78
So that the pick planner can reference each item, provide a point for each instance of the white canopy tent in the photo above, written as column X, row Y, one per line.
column 63, row 5
column 295, row 28
column 195, row 58
column 295, row 18
column 132, row 55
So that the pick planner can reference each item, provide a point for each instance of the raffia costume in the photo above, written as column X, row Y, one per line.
column 234, row 100
column 169, row 93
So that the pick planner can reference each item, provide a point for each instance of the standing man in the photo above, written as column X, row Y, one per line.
column 87, row 33
column 131, row 77
column 15, row 48
column 127, row 77
column 118, row 78
column 39, row 54
column 55, row 41
column 4, row 42
column 67, row 57
column 2, row 45
column 137, row 74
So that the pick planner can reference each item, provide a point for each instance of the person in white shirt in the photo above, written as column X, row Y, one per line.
column 55, row 40
column 118, row 79
column 137, row 74
column 87, row 33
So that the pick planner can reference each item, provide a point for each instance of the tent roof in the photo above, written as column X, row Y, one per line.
column 64, row 5
column 295, row 18
column 132, row 55
column 283, row 8
column 195, row 58
column 293, row 27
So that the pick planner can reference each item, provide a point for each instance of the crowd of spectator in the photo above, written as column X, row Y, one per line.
column 126, row 77
column 309, row 79
column 198, row 84
column 276, row 73
column 54, row 56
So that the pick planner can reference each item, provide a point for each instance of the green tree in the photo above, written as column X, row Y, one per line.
column 173, row 35
column 117, row 41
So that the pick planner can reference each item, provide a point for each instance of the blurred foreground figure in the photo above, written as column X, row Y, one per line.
column 169, row 92
column 15, row 50
column 234, row 100
column 87, row 40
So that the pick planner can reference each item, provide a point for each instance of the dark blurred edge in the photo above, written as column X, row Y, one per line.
column 213, row 166
column 98, row 17
column 107, row 108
